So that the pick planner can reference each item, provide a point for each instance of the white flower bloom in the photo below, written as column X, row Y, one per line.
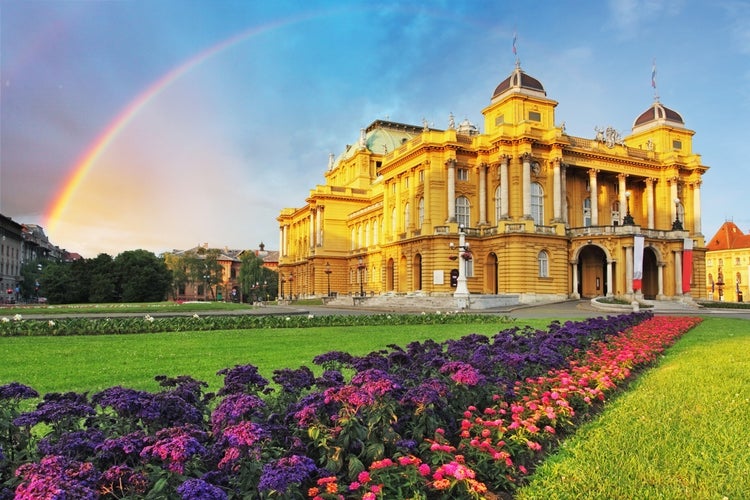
column 196, row 316
column 287, row 318
column 51, row 323
column 310, row 316
column 149, row 318
column 6, row 319
column 18, row 317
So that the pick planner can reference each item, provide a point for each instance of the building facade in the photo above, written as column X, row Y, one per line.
column 728, row 264
column 521, row 209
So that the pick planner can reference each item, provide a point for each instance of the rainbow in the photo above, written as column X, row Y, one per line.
column 86, row 161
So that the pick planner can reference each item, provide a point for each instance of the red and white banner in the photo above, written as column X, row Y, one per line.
column 638, row 262
column 687, row 265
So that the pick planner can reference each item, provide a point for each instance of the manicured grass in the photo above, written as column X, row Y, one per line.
column 682, row 430
column 93, row 363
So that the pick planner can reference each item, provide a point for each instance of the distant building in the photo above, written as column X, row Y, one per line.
column 728, row 264
column 230, row 261
column 540, row 214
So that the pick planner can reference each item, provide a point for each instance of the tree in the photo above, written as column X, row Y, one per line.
column 102, row 279
column 56, row 281
column 256, row 281
column 142, row 276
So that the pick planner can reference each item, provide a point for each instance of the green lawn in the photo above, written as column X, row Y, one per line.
column 681, row 431
column 92, row 363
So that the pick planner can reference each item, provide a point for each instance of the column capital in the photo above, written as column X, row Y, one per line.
column 451, row 162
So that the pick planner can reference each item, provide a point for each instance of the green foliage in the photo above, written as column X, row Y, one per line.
column 142, row 276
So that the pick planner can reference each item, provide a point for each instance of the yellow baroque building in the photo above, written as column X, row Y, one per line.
column 522, row 212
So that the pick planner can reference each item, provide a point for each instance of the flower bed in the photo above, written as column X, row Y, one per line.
column 18, row 326
column 466, row 418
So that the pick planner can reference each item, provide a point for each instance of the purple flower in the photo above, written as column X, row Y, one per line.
column 198, row 489
column 125, row 448
column 235, row 408
column 58, row 410
column 294, row 381
column 280, row 474
column 78, row 445
column 14, row 390
column 242, row 378
column 330, row 378
column 56, row 477
column 175, row 446
column 243, row 439
column 463, row 373
column 165, row 409
column 431, row 391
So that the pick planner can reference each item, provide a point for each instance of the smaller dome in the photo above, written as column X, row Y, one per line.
column 467, row 128
column 658, row 114
column 519, row 81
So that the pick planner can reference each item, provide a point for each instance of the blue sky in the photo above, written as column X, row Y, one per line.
column 251, row 97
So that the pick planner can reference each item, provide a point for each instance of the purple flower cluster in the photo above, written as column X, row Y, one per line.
column 16, row 391
column 175, row 446
column 198, row 489
column 57, row 478
column 279, row 475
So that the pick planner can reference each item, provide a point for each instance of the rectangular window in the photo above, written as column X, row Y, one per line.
column 463, row 174
column 676, row 144
column 499, row 119
column 421, row 176
column 535, row 116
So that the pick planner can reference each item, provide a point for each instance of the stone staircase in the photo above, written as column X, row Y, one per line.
column 422, row 302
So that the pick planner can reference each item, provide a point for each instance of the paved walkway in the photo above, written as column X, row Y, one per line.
column 566, row 309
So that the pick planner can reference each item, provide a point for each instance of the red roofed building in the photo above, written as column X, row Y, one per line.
column 728, row 263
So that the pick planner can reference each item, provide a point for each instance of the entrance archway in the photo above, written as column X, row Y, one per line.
column 402, row 284
column 417, row 270
column 389, row 276
column 491, row 273
column 650, row 281
column 592, row 268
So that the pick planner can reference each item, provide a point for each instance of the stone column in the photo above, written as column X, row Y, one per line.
column 574, row 293
column 673, row 196
column 556, row 191
column 483, row 194
column 312, row 227
column 427, row 197
column 504, row 187
column 593, row 193
column 451, row 164
column 319, row 226
column 660, row 282
column 678, row 272
column 526, row 179
column 650, row 202
column 629, row 270
column 697, row 229
column 564, row 191
column 610, row 284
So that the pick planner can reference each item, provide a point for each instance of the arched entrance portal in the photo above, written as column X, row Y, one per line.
column 592, row 268
column 389, row 276
column 417, row 278
column 490, row 273
column 650, row 274
column 402, row 285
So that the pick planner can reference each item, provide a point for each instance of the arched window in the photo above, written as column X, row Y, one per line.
column 537, row 203
column 367, row 234
column 463, row 211
column 359, row 236
column 587, row 212
column 375, row 232
column 498, row 205
column 420, row 209
column 394, row 222
column 354, row 239
column 543, row 258
column 407, row 215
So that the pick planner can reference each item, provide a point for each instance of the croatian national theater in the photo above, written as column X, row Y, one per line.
column 522, row 211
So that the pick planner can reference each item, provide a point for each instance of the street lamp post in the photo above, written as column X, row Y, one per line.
column 462, row 290
column 677, row 225
column 628, row 219
column 328, row 275
column 361, row 267
column 291, row 286
column 283, row 280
